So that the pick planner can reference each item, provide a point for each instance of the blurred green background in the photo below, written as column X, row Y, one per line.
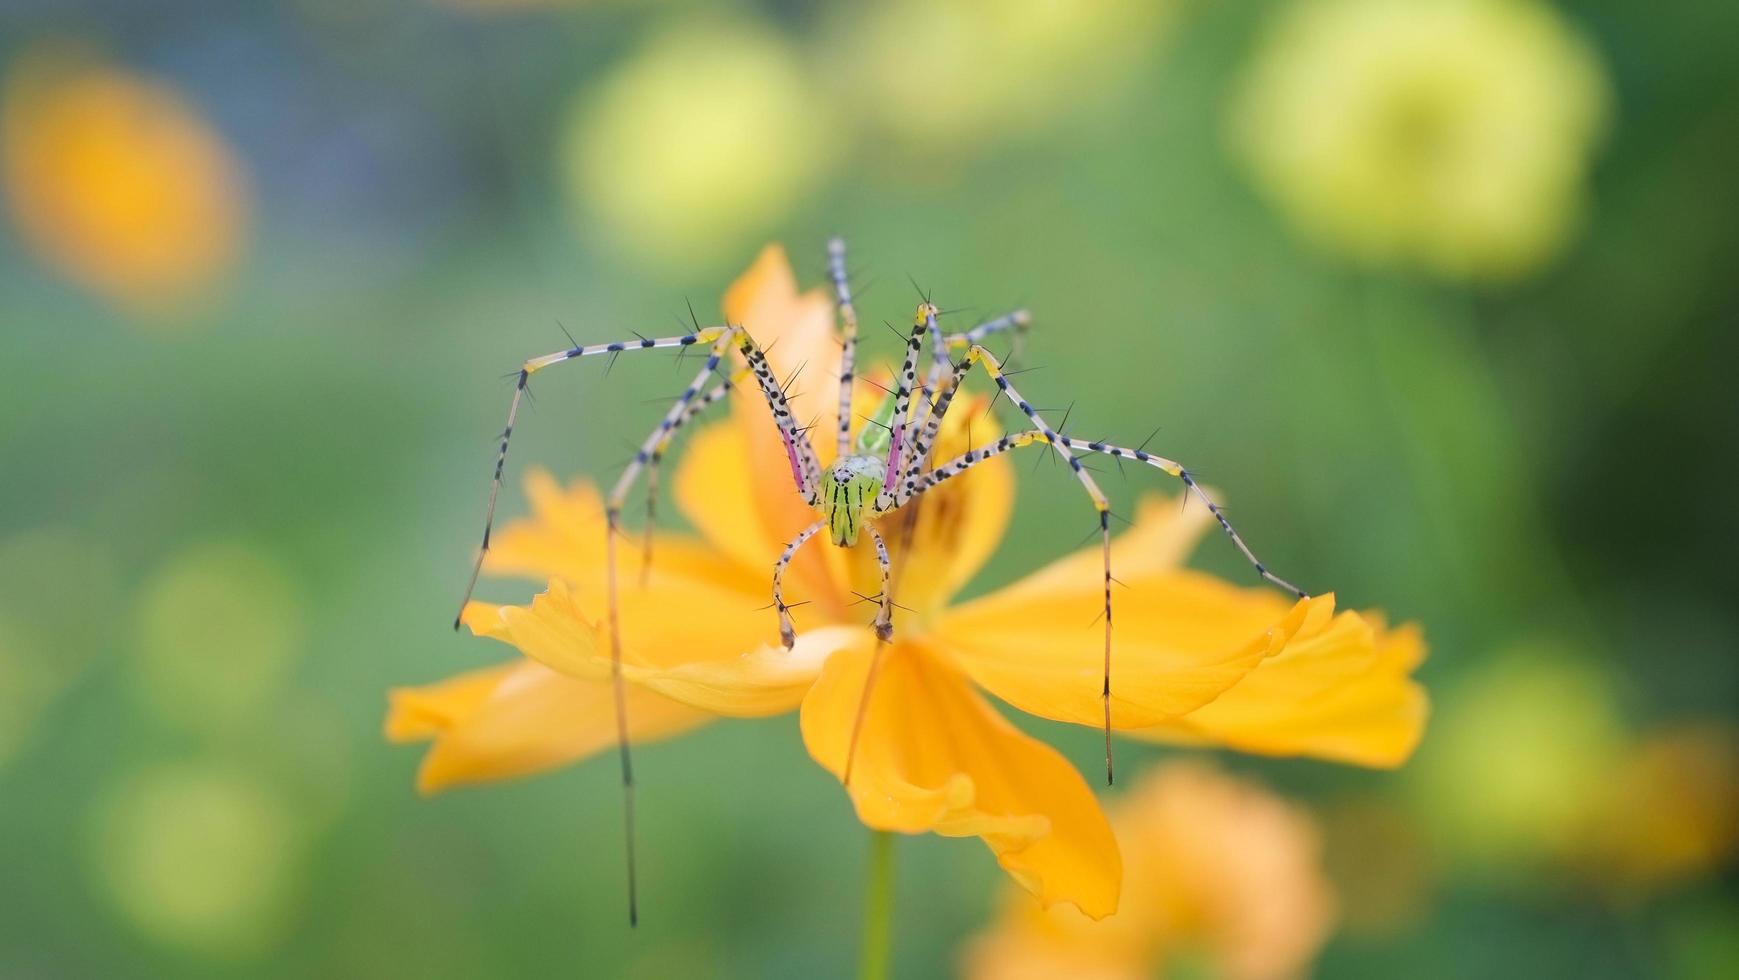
column 1445, row 308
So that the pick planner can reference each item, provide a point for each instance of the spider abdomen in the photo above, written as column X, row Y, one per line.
column 847, row 491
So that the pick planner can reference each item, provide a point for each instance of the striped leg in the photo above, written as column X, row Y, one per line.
column 526, row 370
column 805, row 469
column 1190, row 486
column 884, row 627
column 943, row 345
column 925, row 410
column 651, row 451
column 939, row 362
column 1018, row 321
column 1003, row 445
column 978, row 355
column 885, row 614
column 788, row 630
column 884, row 501
column 718, row 337
column 716, row 394
column 919, row 445
column 612, row 524
column 848, row 327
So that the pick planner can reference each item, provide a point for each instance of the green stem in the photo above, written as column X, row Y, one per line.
column 878, row 911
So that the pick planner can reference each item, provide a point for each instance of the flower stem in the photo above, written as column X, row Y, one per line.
column 878, row 910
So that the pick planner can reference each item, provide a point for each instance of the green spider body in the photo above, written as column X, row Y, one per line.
column 847, row 493
column 849, row 490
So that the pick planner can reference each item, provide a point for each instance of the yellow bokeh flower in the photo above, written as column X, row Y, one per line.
column 933, row 753
column 204, row 856
column 1452, row 135
column 941, row 74
column 708, row 136
column 1668, row 812
column 1566, row 784
column 118, row 183
column 1216, row 870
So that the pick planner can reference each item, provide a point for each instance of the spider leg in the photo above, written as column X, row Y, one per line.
column 848, row 329
column 787, row 630
column 977, row 354
column 613, row 522
column 526, row 370
column 805, row 468
column 651, row 454
column 1176, row 469
column 1017, row 320
column 966, row 460
column 884, row 626
column 718, row 338
column 919, row 446
column 903, row 397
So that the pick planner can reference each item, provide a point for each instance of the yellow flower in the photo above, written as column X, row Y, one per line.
column 933, row 754
column 1214, row 867
column 709, row 135
column 1449, row 134
column 1669, row 810
column 948, row 75
column 117, row 182
column 1566, row 784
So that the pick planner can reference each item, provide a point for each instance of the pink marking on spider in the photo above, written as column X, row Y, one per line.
column 894, row 454
column 791, row 454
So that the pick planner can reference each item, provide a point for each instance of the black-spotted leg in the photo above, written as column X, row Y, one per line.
column 788, row 629
column 848, row 339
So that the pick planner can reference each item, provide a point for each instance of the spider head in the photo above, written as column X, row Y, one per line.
column 848, row 490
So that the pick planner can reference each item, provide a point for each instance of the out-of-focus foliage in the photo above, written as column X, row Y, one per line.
column 1437, row 294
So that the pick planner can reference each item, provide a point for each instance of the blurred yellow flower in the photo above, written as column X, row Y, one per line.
column 199, row 855
column 705, row 138
column 944, row 73
column 1216, row 869
column 219, row 626
column 1564, row 783
column 117, row 182
column 1669, row 811
column 934, row 754
column 1454, row 135
column 1537, row 731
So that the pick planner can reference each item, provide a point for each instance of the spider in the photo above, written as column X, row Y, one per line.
column 877, row 473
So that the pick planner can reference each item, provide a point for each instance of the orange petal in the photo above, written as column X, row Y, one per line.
column 1343, row 693
column 662, row 626
column 417, row 714
column 796, row 331
column 932, row 755
column 520, row 718
column 767, row 681
column 1181, row 639
column 1164, row 533
column 564, row 538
